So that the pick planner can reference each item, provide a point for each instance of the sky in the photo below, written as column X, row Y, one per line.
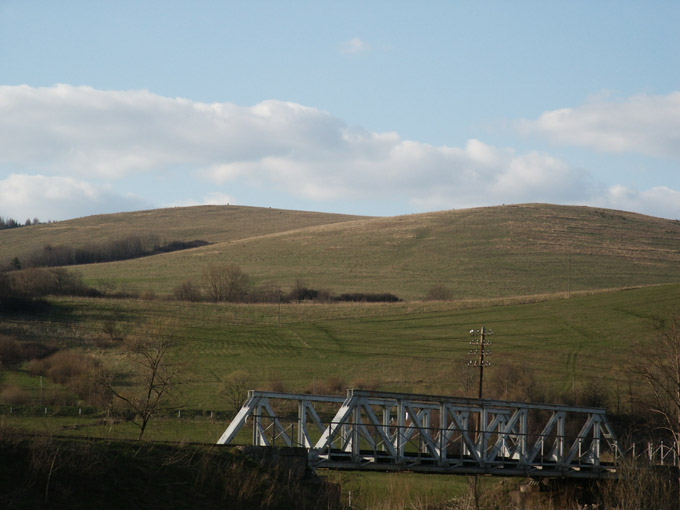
column 372, row 108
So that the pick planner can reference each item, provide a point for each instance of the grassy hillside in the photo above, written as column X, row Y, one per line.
column 211, row 223
column 485, row 252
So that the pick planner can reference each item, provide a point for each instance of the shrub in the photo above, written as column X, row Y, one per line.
column 235, row 388
column 303, row 294
column 226, row 282
column 639, row 485
column 333, row 385
column 148, row 295
column 276, row 384
column 14, row 395
column 13, row 352
column 9, row 351
column 363, row 384
column 63, row 366
column 36, row 367
column 187, row 291
column 34, row 283
column 359, row 297
column 439, row 293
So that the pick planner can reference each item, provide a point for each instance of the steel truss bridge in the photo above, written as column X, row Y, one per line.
column 369, row 430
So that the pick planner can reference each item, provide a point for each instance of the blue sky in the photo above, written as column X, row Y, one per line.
column 377, row 108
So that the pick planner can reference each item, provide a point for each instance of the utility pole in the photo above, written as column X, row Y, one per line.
column 569, row 280
column 481, row 342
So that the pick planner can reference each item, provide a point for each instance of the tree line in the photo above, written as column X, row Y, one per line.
column 6, row 223
column 219, row 283
column 126, row 248
column 30, row 284
column 229, row 283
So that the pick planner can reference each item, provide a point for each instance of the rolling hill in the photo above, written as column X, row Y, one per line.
column 476, row 253
column 210, row 223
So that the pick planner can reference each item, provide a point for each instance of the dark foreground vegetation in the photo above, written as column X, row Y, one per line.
column 49, row 472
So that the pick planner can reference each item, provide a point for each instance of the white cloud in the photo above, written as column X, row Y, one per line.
column 112, row 134
column 214, row 198
column 381, row 166
column 354, row 46
column 57, row 198
column 646, row 124
column 657, row 201
column 80, row 131
column 57, row 139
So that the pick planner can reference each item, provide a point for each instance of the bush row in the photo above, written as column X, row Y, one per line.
column 120, row 249
column 36, row 283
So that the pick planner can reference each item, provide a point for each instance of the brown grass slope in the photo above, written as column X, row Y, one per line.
column 482, row 252
column 212, row 223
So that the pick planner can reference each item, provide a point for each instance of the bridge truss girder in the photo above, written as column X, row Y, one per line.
column 399, row 431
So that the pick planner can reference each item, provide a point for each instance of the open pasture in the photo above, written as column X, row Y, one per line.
column 410, row 347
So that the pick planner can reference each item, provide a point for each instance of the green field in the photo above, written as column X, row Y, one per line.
column 412, row 347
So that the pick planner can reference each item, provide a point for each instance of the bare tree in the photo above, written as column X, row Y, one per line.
column 225, row 282
column 153, row 373
column 235, row 387
column 187, row 291
column 658, row 364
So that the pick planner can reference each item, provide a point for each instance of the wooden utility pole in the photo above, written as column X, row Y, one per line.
column 482, row 337
column 482, row 343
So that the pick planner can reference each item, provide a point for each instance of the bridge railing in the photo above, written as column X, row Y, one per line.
column 653, row 452
column 380, row 430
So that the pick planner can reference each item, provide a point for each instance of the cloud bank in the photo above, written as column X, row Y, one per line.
column 67, row 147
column 645, row 124
column 55, row 198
